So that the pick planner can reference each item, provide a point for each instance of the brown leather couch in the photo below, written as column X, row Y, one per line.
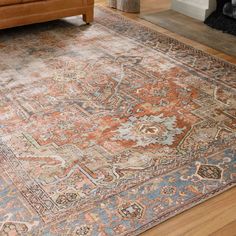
column 23, row 12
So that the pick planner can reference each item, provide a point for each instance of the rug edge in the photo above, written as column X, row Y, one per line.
column 196, row 50
column 146, row 15
column 157, row 222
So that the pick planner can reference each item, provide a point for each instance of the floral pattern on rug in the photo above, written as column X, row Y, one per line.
column 109, row 129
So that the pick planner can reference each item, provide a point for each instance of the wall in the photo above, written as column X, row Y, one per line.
column 198, row 9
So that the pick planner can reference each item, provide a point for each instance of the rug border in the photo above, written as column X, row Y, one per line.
column 196, row 50
column 141, row 16
column 204, row 198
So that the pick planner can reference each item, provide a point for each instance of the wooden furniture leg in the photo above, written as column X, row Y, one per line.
column 88, row 16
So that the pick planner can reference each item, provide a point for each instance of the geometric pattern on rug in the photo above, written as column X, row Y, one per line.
column 109, row 129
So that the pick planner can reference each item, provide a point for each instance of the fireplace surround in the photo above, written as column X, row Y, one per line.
column 229, row 9
column 222, row 19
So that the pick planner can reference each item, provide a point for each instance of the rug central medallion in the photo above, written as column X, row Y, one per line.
column 148, row 130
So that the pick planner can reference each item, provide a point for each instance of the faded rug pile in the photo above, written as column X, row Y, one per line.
column 109, row 129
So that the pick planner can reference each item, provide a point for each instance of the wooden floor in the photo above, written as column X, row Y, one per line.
column 217, row 216
column 151, row 6
column 190, row 28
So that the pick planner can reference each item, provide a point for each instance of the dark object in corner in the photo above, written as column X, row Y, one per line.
column 220, row 21
column 230, row 9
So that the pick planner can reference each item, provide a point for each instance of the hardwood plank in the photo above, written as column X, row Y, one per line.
column 229, row 230
column 203, row 219
column 149, row 6
column 190, row 28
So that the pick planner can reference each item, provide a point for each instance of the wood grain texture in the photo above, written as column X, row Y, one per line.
column 41, row 11
column 150, row 6
column 217, row 216
column 190, row 28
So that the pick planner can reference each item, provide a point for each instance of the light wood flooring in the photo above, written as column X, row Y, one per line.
column 190, row 28
column 217, row 216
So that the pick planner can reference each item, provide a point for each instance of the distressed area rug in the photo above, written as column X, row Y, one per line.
column 109, row 129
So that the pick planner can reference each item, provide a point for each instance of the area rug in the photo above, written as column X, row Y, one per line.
column 109, row 129
column 190, row 28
